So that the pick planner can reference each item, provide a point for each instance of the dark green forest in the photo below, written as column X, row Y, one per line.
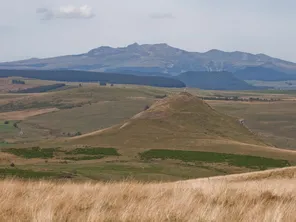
column 214, row 81
column 41, row 89
column 83, row 76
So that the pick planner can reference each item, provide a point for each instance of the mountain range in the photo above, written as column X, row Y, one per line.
column 156, row 59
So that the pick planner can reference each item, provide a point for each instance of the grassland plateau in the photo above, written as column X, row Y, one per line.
column 79, row 143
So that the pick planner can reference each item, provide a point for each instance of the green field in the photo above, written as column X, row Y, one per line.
column 34, row 152
column 26, row 174
column 7, row 129
column 210, row 157
column 7, row 126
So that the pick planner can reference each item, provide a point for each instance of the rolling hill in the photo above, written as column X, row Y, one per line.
column 154, row 58
column 214, row 81
column 182, row 122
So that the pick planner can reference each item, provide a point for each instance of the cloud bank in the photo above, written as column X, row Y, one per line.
column 161, row 16
column 66, row 12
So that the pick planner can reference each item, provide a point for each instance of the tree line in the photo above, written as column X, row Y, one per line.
column 84, row 76
column 41, row 89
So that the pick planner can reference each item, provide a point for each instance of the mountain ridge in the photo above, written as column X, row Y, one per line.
column 160, row 57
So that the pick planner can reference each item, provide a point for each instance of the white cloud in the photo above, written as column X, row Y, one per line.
column 67, row 12
column 162, row 16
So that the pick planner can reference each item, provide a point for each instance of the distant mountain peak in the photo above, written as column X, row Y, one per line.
column 214, row 51
column 133, row 45
column 160, row 58
column 101, row 50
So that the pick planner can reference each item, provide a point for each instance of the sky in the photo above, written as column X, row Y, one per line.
column 48, row 28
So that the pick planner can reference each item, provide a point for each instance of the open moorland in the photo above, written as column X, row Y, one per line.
column 85, row 152
column 85, row 131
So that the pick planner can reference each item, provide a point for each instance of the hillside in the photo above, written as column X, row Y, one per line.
column 262, row 74
column 257, row 196
column 181, row 121
column 157, row 58
column 83, row 76
column 214, row 81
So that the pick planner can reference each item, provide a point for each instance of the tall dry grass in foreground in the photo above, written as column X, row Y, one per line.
column 218, row 199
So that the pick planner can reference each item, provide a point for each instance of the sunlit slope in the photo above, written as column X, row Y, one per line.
column 181, row 121
column 220, row 199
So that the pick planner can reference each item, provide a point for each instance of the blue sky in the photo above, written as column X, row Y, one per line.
column 46, row 28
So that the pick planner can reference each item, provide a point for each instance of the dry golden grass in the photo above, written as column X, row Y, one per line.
column 233, row 198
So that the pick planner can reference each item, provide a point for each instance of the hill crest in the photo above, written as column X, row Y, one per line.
column 167, row 106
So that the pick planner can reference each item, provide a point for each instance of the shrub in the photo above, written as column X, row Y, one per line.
column 78, row 133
